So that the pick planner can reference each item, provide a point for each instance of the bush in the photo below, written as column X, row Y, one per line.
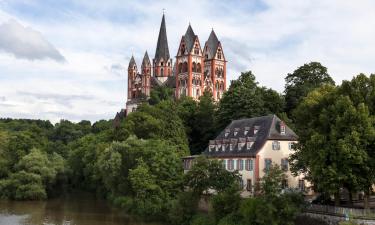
column 226, row 202
column 183, row 208
column 123, row 202
column 231, row 219
column 202, row 220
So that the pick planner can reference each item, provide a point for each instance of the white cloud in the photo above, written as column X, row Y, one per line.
column 26, row 43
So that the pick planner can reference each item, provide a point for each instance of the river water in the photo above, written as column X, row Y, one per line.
column 80, row 209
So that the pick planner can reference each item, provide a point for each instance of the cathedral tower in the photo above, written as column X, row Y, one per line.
column 162, row 63
column 189, row 61
column 146, row 75
column 214, row 66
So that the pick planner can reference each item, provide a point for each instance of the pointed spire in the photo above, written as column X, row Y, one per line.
column 162, row 50
column 212, row 43
column 132, row 63
column 189, row 38
column 146, row 60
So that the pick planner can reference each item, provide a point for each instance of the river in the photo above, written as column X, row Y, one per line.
column 82, row 209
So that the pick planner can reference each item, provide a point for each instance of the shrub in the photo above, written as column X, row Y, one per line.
column 202, row 220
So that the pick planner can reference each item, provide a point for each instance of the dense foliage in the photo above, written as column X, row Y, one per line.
column 337, row 135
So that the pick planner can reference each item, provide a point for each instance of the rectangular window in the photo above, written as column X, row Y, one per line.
column 284, row 164
column 211, row 148
column 301, row 184
column 290, row 145
column 239, row 164
column 249, row 185
column 284, row 184
column 231, row 147
column 230, row 165
column 275, row 145
column 224, row 163
column 241, row 183
column 267, row 164
column 249, row 164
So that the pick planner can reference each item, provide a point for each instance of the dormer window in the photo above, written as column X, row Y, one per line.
column 282, row 128
column 231, row 147
column 217, row 147
column 236, row 131
column 249, row 144
column 256, row 129
column 211, row 148
column 246, row 130
column 227, row 131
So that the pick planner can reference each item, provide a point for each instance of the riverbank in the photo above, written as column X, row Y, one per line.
column 77, row 209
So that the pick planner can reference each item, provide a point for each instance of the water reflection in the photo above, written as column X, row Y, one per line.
column 82, row 209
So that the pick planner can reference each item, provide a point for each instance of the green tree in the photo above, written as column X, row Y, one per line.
column 245, row 98
column 208, row 174
column 160, row 93
column 335, row 138
column 204, row 126
column 303, row 80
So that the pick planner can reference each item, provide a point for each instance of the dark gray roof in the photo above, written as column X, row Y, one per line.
column 212, row 44
column 132, row 62
column 162, row 50
column 146, row 59
column 170, row 82
column 155, row 82
column 268, row 129
column 189, row 38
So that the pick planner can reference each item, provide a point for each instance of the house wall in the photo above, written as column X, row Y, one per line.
column 276, row 155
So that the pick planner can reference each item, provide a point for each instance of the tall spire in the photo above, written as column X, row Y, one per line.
column 132, row 62
column 189, row 38
column 162, row 50
column 146, row 60
column 212, row 43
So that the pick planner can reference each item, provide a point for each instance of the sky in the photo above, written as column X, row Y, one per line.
column 68, row 59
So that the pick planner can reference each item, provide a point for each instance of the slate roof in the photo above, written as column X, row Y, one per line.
column 170, row 82
column 131, row 62
column 146, row 59
column 212, row 43
column 162, row 50
column 189, row 38
column 268, row 129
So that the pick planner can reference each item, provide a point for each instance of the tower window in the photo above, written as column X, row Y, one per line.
column 162, row 72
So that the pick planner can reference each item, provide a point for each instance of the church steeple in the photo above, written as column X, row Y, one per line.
column 162, row 50
column 162, row 62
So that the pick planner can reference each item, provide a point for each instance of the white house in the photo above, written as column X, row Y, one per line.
column 251, row 146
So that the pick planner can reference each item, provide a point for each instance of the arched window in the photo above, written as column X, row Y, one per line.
column 180, row 68
column 185, row 67
column 217, row 85
column 199, row 68
column 182, row 52
column 222, row 86
column 217, row 72
column 161, row 72
column 198, row 93
column 196, row 49
column 194, row 67
column 219, row 53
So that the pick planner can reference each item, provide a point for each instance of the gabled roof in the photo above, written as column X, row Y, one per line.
column 268, row 129
column 132, row 62
column 162, row 50
column 146, row 60
column 212, row 44
column 189, row 38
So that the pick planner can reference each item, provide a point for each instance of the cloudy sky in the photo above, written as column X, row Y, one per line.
column 67, row 58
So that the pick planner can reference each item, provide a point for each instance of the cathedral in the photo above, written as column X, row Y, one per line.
column 194, row 71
